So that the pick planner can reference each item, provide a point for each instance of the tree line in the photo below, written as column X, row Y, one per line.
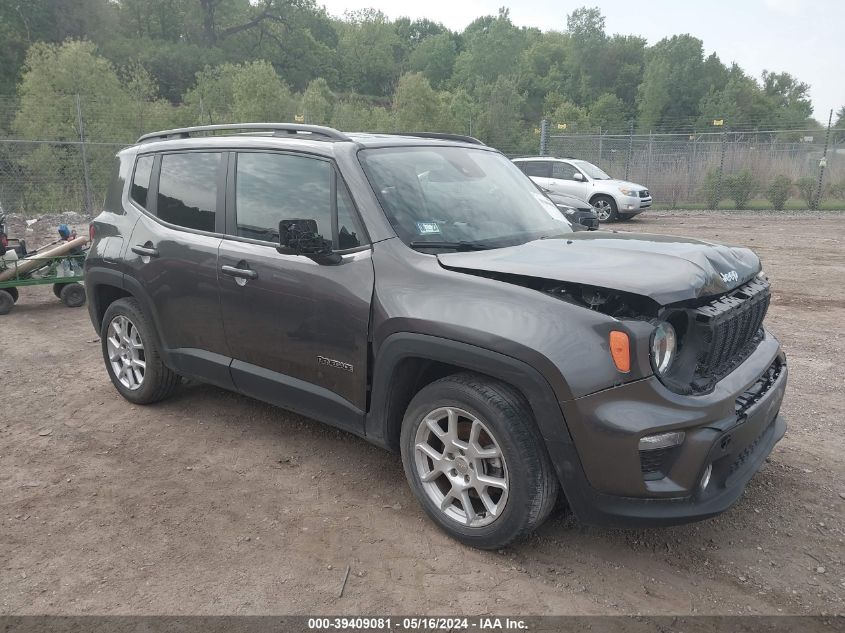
column 125, row 67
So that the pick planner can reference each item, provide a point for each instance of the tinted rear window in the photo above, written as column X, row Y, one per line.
column 536, row 168
column 187, row 189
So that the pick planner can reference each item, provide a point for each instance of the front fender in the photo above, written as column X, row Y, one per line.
column 399, row 346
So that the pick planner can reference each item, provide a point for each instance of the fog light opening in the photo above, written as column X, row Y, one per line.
column 705, row 478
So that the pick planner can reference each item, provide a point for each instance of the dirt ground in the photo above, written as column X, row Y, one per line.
column 214, row 503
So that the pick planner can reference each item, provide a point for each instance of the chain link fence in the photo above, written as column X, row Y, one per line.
column 684, row 169
column 63, row 163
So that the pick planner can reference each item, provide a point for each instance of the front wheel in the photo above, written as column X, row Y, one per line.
column 476, row 462
column 606, row 208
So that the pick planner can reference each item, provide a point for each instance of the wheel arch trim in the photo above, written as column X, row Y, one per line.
column 381, row 423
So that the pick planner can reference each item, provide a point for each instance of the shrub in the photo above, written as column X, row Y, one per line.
column 740, row 187
column 837, row 189
column 778, row 191
column 711, row 189
column 807, row 189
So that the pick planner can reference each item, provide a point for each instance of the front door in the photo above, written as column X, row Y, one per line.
column 564, row 180
column 297, row 329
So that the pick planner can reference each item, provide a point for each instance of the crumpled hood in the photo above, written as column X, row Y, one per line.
column 664, row 268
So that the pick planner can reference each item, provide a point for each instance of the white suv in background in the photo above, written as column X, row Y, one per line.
column 613, row 199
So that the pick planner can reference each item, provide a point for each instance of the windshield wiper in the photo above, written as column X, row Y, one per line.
column 458, row 246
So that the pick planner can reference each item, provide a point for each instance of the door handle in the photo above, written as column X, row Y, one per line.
column 243, row 273
column 144, row 251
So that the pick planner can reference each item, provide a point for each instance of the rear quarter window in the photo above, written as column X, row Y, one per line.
column 141, row 180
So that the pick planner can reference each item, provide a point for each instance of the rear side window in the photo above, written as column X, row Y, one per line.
column 141, row 180
column 187, row 189
column 274, row 187
column 536, row 168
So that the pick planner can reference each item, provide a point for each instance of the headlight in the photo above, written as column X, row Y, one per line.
column 565, row 209
column 627, row 191
column 663, row 346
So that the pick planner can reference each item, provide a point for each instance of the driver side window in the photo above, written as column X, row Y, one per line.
column 564, row 171
column 271, row 187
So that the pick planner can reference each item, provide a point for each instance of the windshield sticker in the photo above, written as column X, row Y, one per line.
column 427, row 228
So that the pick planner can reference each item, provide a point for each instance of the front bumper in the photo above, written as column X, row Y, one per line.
column 632, row 205
column 603, row 477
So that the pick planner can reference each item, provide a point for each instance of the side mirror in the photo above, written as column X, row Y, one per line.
column 578, row 176
column 301, row 237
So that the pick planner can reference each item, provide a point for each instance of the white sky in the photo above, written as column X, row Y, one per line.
column 803, row 37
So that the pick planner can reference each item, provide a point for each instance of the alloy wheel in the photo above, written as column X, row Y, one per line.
column 126, row 352
column 461, row 466
column 603, row 210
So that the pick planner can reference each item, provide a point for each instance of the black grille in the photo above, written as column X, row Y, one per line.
column 731, row 328
column 755, row 392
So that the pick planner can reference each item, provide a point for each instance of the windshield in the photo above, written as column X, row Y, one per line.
column 591, row 170
column 459, row 195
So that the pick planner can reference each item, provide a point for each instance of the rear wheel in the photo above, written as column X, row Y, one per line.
column 476, row 462
column 7, row 301
column 14, row 293
column 606, row 208
column 57, row 290
column 131, row 354
column 72, row 295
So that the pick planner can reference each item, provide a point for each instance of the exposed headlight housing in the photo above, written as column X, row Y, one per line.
column 629, row 191
column 567, row 210
column 664, row 344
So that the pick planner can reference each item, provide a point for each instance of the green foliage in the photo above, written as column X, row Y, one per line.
column 778, row 191
column 435, row 58
column 318, row 102
column 251, row 92
column 740, row 187
column 837, row 189
column 712, row 188
column 366, row 53
column 672, row 84
column 608, row 112
column 807, row 188
column 416, row 104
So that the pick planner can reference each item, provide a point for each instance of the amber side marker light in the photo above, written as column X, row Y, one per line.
column 620, row 351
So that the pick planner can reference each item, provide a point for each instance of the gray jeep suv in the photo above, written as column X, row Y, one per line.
column 420, row 292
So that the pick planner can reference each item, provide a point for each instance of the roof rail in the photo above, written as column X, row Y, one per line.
column 446, row 137
column 279, row 129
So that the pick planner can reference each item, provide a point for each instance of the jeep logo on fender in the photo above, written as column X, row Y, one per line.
column 322, row 360
column 729, row 277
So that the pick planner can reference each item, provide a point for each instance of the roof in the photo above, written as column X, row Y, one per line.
column 301, row 132
column 538, row 158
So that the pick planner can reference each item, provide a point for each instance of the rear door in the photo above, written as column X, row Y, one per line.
column 172, row 256
column 538, row 170
column 297, row 329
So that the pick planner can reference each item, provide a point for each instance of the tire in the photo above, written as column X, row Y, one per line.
column 145, row 384
column 7, row 301
column 14, row 293
column 606, row 208
column 505, row 432
column 57, row 290
column 72, row 295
